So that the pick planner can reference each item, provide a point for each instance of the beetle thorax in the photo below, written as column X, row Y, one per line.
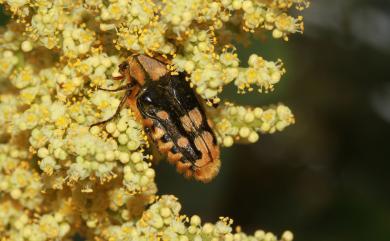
column 142, row 68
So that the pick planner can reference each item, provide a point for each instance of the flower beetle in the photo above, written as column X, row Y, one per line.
column 172, row 115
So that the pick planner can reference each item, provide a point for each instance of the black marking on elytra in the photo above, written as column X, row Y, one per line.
column 165, row 138
column 148, row 130
column 174, row 150
column 174, row 95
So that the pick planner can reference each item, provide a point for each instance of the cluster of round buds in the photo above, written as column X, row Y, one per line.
column 261, row 73
column 76, row 40
column 132, row 22
column 243, row 124
column 24, row 77
column 8, row 60
column 208, row 72
column 17, row 179
column 269, row 15
column 284, row 25
column 128, row 204
column 9, row 213
column 31, row 226
column 55, row 27
column 74, row 78
column 19, row 8
column 130, row 139
column 97, row 67
column 164, row 221
column 49, row 226
column 22, row 185
column 180, row 15
column 8, row 108
column 85, row 153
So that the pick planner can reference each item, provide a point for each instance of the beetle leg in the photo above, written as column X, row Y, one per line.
column 124, row 87
column 121, row 77
column 118, row 109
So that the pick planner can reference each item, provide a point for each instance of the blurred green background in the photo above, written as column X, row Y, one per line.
column 326, row 177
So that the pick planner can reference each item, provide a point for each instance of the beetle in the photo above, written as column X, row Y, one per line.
column 171, row 113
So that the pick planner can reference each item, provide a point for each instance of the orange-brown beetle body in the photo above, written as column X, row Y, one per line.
column 172, row 116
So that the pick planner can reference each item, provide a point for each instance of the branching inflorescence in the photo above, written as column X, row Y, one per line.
column 58, row 177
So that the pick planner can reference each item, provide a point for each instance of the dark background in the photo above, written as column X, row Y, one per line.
column 326, row 177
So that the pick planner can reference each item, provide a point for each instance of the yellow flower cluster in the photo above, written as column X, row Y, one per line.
column 58, row 177
column 163, row 221
column 242, row 124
